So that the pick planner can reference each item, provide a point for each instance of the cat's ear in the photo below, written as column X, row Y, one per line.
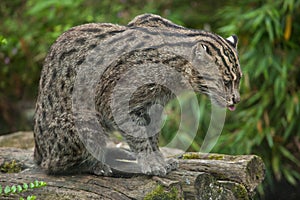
column 233, row 40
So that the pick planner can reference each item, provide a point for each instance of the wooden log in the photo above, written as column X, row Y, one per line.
column 74, row 186
column 203, row 186
column 200, row 176
column 188, row 182
column 248, row 170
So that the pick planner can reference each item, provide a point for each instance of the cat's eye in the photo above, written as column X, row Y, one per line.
column 228, row 54
column 227, row 82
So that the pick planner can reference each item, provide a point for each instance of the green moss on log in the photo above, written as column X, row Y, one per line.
column 160, row 193
column 11, row 167
column 196, row 155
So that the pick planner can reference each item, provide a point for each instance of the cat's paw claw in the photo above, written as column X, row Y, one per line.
column 155, row 164
column 102, row 170
column 172, row 164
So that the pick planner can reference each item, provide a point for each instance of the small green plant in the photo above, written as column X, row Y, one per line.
column 15, row 189
column 3, row 41
column 160, row 193
column 12, row 166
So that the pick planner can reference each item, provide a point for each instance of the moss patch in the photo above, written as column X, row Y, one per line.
column 159, row 193
column 215, row 157
column 240, row 192
column 196, row 155
column 191, row 156
column 11, row 167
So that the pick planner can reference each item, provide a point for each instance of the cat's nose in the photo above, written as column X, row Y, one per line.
column 236, row 99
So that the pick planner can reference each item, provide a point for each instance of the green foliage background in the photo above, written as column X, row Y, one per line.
column 265, row 122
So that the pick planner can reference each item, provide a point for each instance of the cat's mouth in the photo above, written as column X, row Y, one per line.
column 225, row 104
column 231, row 107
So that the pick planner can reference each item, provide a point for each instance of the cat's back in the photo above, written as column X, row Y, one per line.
column 63, row 61
column 72, row 49
column 73, row 46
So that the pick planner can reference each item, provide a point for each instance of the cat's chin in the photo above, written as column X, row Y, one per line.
column 230, row 107
column 219, row 103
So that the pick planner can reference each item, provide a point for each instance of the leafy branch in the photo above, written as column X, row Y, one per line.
column 15, row 189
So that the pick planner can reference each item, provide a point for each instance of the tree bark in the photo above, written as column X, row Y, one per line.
column 200, row 176
column 248, row 170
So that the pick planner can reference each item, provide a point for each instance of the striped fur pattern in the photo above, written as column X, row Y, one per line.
column 58, row 146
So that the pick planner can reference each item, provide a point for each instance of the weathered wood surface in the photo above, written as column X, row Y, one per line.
column 246, row 169
column 200, row 176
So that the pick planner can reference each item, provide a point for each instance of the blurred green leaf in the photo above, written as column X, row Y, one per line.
column 3, row 40
column 289, row 176
column 36, row 8
column 19, row 188
column 269, row 138
column 13, row 189
column 276, row 166
column 257, row 20
column 257, row 36
column 31, row 185
column 7, row 190
column 269, row 29
column 25, row 186
column 289, row 156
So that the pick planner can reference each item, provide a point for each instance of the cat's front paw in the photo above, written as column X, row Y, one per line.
column 172, row 164
column 101, row 169
column 155, row 164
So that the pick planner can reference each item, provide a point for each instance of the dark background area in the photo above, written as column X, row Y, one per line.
column 266, row 121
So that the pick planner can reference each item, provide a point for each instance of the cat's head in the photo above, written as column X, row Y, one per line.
column 220, row 69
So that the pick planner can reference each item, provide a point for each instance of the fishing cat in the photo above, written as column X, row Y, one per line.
column 62, row 134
